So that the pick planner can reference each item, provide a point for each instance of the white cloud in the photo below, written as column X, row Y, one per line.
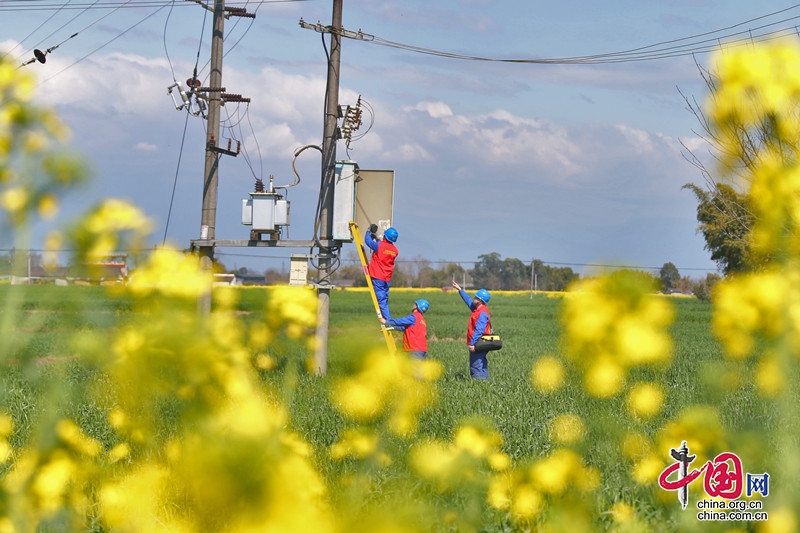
column 146, row 147
column 434, row 109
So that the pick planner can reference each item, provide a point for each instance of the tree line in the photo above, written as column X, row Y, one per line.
column 493, row 272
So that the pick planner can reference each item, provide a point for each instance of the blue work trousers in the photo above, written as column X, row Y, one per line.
column 382, row 294
column 478, row 365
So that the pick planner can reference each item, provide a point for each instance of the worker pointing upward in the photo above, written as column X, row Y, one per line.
column 381, row 265
column 480, row 323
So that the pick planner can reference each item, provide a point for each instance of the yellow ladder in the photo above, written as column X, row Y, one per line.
column 387, row 334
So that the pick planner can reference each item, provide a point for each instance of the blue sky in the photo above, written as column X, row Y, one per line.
column 573, row 164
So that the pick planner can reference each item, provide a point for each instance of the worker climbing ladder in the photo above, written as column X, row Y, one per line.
column 387, row 334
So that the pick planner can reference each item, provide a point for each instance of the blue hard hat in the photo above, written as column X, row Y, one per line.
column 422, row 304
column 483, row 295
column 390, row 234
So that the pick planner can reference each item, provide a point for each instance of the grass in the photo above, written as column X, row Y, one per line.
column 42, row 378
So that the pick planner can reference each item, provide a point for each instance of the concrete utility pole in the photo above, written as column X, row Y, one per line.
column 211, row 175
column 326, row 249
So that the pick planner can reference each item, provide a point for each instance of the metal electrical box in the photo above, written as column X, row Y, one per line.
column 344, row 198
column 374, row 199
column 265, row 211
column 298, row 271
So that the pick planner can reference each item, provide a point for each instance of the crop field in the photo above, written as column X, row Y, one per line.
column 47, row 378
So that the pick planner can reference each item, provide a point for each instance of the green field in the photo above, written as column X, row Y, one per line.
column 44, row 377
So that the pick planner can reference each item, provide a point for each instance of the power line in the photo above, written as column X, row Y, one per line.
column 686, row 46
column 49, row 5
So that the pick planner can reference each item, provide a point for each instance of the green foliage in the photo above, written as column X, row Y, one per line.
column 507, row 402
column 669, row 276
column 702, row 289
column 726, row 220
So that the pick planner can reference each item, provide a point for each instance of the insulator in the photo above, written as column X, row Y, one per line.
column 259, row 185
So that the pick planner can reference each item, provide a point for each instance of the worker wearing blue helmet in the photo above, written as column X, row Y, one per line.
column 414, row 328
column 381, row 265
column 480, row 323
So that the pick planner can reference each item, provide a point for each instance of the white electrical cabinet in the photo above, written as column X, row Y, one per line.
column 344, row 199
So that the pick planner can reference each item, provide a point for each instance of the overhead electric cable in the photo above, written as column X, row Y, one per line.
column 50, row 5
column 175, row 180
column 40, row 26
column 686, row 46
column 40, row 56
column 102, row 45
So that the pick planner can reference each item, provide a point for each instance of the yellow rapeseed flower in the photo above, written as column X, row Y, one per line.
column 567, row 429
column 499, row 493
column 14, row 199
column 769, row 378
column 480, row 443
column 435, row 460
column 700, row 426
column 69, row 432
column 636, row 446
column 554, row 473
column 781, row 520
column 645, row 400
column 621, row 512
column 119, row 452
column 604, row 378
column 48, row 206
column 355, row 442
column 527, row 502
column 5, row 450
column 547, row 374
column 51, row 481
column 6, row 425
column 172, row 273
column 646, row 470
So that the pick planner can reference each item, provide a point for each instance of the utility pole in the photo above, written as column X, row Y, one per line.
column 326, row 249
column 211, row 175
column 215, row 96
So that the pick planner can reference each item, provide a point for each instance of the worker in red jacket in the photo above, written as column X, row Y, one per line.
column 414, row 328
column 480, row 323
column 381, row 265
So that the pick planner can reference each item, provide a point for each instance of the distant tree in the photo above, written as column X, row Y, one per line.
column 419, row 271
column 514, row 274
column 725, row 222
column 723, row 211
column 443, row 277
column 560, row 278
column 548, row 278
column 703, row 288
column 669, row 275
column 493, row 273
column 488, row 271
column 685, row 285
column 273, row 275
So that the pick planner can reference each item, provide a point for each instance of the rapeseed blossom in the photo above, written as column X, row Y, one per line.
column 547, row 374
column 611, row 325
column 391, row 385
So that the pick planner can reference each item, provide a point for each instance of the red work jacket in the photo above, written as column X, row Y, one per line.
column 473, row 320
column 415, row 338
column 381, row 266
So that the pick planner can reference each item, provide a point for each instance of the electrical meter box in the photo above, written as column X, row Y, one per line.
column 298, row 271
column 374, row 199
column 344, row 198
